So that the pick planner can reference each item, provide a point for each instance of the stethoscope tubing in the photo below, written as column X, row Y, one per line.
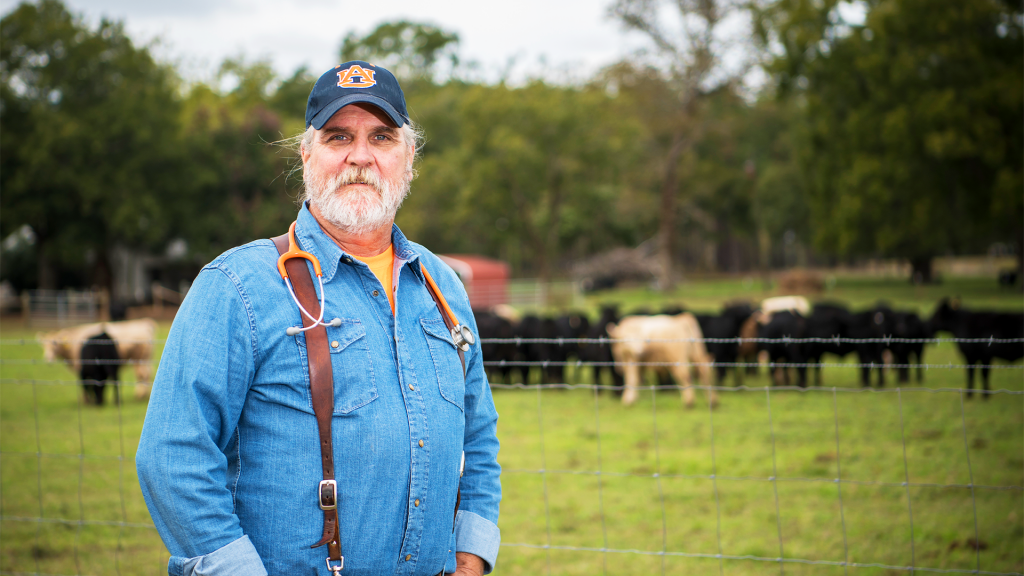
column 316, row 321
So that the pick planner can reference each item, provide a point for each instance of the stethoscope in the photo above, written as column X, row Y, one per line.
column 461, row 335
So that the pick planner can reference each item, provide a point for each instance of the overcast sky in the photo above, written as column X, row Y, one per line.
column 198, row 34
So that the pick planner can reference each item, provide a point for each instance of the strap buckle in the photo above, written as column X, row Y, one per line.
column 338, row 568
column 328, row 496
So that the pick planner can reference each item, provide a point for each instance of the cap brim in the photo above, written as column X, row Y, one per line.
column 325, row 114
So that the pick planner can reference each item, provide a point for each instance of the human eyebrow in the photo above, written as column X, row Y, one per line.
column 326, row 133
column 385, row 130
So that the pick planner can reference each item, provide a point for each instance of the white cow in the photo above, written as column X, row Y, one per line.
column 644, row 340
column 770, row 306
column 134, row 340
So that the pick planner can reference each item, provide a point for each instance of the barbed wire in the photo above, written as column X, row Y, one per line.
column 70, row 522
column 567, row 386
column 907, row 484
column 521, row 340
column 31, row 361
column 744, row 388
column 582, row 363
column 757, row 559
column 741, row 340
column 59, row 455
column 27, row 341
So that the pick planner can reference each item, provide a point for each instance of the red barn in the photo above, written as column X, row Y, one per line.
column 486, row 280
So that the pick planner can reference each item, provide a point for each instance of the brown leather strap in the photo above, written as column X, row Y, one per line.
column 462, row 359
column 321, row 384
column 448, row 323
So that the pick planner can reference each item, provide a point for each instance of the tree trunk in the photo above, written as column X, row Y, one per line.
column 921, row 270
column 667, row 225
column 550, row 237
column 47, row 272
column 102, row 276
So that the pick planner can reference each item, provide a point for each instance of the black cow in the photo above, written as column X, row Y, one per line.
column 950, row 317
column 874, row 324
column 909, row 326
column 724, row 326
column 571, row 327
column 599, row 353
column 785, row 324
column 827, row 321
column 99, row 365
column 547, row 355
column 491, row 325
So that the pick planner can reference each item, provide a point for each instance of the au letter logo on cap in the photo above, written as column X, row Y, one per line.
column 355, row 76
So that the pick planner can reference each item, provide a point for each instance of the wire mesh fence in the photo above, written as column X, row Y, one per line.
column 772, row 479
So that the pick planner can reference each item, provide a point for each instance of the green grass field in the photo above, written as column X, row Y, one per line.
column 676, row 487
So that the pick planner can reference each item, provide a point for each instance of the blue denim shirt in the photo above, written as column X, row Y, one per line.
column 229, row 461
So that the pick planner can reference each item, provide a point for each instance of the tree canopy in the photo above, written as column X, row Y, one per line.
column 915, row 123
column 897, row 136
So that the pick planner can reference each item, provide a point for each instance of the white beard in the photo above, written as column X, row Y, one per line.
column 360, row 210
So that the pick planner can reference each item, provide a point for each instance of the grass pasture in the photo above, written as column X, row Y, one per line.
column 664, row 501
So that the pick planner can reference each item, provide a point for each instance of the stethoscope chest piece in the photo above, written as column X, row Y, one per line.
column 463, row 337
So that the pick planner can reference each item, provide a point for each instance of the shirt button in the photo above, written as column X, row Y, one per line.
column 421, row 443
column 347, row 260
column 417, row 502
column 335, row 344
column 376, row 292
column 411, row 387
column 408, row 557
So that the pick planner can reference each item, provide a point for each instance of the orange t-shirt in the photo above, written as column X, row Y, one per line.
column 383, row 265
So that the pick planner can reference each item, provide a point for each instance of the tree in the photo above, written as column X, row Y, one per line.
column 89, row 139
column 915, row 123
column 522, row 173
column 410, row 50
column 688, row 60
column 239, row 188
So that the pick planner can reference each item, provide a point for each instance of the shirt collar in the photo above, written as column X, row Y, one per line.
column 314, row 240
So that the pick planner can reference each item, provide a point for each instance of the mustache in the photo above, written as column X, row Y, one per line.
column 357, row 176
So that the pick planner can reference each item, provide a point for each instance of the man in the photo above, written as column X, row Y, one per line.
column 229, row 458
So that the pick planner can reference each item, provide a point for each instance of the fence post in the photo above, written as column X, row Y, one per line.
column 158, row 297
column 26, row 308
column 104, row 303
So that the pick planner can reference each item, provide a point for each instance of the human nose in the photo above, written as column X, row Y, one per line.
column 359, row 153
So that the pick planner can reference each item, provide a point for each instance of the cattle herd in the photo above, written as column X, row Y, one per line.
column 787, row 333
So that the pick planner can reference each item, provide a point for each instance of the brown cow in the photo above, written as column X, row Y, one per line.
column 671, row 339
column 134, row 340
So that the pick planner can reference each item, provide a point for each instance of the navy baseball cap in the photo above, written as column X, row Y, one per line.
column 352, row 82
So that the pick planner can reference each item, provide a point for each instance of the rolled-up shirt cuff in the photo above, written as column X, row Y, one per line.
column 477, row 535
column 238, row 558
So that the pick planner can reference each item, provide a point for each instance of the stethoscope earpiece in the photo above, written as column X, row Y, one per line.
column 292, row 331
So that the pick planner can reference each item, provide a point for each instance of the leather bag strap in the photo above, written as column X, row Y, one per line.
column 321, row 383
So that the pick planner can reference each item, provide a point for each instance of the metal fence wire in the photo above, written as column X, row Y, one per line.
column 74, row 516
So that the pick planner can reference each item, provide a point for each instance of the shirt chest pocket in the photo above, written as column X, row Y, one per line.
column 447, row 365
column 352, row 368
